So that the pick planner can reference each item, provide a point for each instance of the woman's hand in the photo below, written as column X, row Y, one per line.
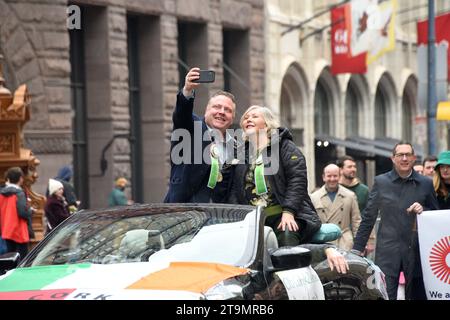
column 336, row 260
column 287, row 220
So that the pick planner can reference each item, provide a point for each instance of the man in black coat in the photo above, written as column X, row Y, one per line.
column 398, row 196
column 191, row 177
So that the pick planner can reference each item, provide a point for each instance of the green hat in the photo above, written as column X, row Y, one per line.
column 444, row 158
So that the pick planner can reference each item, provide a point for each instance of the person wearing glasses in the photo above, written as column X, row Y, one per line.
column 398, row 196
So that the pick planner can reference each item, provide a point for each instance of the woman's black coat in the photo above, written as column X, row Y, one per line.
column 289, row 184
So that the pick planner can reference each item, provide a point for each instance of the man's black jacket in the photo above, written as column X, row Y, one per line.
column 187, row 178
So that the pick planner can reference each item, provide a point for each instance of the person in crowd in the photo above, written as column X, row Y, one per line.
column 117, row 197
column 56, row 209
column 441, row 180
column 64, row 176
column 348, row 179
column 273, row 175
column 418, row 167
column 197, row 180
column 398, row 196
column 428, row 166
column 15, row 213
column 336, row 204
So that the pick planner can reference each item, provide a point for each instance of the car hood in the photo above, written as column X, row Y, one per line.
column 134, row 281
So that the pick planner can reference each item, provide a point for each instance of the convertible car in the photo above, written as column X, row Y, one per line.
column 173, row 251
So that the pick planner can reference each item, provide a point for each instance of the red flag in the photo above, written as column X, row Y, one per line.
column 442, row 27
column 341, row 59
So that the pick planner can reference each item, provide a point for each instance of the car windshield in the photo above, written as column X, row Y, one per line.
column 202, row 234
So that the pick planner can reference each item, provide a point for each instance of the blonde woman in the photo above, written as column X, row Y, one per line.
column 441, row 180
column 274, row 175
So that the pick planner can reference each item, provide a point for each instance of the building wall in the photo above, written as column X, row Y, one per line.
column 299, row 64
column 34, row 42
column 34, row 39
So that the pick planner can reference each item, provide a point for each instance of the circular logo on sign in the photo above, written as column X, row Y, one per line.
column 440, row 259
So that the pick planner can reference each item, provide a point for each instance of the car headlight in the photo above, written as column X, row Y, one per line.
column 225, row 290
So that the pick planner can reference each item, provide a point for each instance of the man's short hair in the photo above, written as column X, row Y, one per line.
column 13, row 174
column 341, row 160
column 224, row 93
column 401, row 143
column 429, row 158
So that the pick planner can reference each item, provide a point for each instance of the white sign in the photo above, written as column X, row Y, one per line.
column 434, row 241
column 302, row 284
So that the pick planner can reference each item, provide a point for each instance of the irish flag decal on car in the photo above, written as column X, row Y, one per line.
column 116, row 281
column 28, row 283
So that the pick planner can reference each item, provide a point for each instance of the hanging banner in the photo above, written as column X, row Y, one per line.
column 372, row 27
column 442, row 27
column 434, row 242
column 361, row 32
column 341, row 59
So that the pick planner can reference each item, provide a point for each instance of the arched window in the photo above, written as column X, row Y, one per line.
column 351, row 111
column 380, row 114
column 293, row 101
column 321, row 110
column 409, row 106
column 285, row 107
column 407, row 119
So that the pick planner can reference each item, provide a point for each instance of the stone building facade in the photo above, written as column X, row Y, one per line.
column 97, row 69
column 363, row 115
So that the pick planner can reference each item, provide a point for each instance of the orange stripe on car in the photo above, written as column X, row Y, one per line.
column 189, row 276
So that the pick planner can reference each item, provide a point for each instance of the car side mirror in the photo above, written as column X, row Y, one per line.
column 9, row 261
column 286, row 258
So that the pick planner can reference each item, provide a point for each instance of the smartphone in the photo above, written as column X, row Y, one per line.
column 206, row 76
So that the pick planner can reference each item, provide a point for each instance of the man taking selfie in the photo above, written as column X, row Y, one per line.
column 197, row 177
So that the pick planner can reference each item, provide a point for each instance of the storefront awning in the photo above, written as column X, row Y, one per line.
column 373, row 147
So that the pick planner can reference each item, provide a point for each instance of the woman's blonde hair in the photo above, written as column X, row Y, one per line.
column 267, row 114
column 439, row 185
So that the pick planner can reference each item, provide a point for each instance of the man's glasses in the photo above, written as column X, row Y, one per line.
column 401, row 155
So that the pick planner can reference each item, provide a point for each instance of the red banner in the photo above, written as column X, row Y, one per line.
column 442, row 27
column 341, row 59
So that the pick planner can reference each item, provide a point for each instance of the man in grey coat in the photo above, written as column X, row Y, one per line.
column 398, row 196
